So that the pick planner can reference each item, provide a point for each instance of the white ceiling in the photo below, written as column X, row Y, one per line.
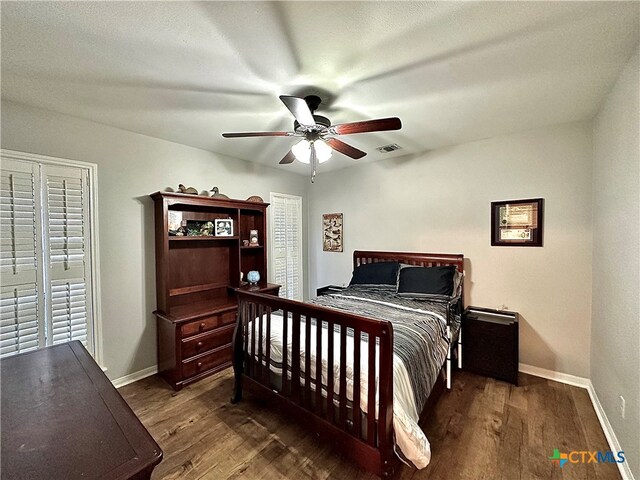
column 186, row 72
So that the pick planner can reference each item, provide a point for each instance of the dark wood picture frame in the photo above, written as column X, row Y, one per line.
column 517, row 223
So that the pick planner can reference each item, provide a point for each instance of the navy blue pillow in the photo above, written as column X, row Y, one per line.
column 379, row 273
column 416, row 281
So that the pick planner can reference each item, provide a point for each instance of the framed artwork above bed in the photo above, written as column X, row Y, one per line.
column 332, row 233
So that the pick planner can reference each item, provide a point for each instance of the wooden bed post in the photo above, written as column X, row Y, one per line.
column 385, row 413
column 238, row 353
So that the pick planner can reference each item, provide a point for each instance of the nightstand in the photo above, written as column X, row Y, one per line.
column 329, row 289
column 266, row 288
column 490, row 343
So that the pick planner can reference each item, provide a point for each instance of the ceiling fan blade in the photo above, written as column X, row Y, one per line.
column 257, row 134
column 379, row 125
column 345, row 148
column 288, row 158
column 299, row 108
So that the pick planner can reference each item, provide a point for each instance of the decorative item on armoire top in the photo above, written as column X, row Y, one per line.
column 224, row 227
column 517, row 223
column 253, row 277
column 253, row 238
column 332, row 234
column 189, row 190
column 255, row 199
column 216, row 194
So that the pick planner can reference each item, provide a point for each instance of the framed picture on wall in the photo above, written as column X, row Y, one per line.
column 517, row 223
column 332, row 232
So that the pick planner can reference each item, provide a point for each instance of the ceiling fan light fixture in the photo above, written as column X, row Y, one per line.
column 323, row 151
column 302, row 151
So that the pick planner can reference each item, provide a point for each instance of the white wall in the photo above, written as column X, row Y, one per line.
column 130, row 167
column 440, row 202
column 615, row 342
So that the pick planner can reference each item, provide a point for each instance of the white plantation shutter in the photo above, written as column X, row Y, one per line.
column 45, row 292
column 286, row 244
column 293, row 231
column 279, row 243
column 20, row 269
column 66, row 210
column 20, row 329
column 68, row 312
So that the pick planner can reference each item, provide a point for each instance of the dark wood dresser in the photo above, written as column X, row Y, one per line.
column 197, row 276
column 195, row 341
column 490, row 341
column 63, row 419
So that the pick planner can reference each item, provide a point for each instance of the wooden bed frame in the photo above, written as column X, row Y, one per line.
column 366, row 440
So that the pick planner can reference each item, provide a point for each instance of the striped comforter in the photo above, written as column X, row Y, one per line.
column 419, row 329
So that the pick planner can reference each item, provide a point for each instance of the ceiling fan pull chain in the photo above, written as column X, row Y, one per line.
column 313, row 161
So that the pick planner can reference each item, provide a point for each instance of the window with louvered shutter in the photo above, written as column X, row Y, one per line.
column 45, row 292
column 21, row 292
column 286, row 244
column 65, row 219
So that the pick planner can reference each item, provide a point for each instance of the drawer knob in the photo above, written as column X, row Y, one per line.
column 199, row 364
column 199, row 344
column 202, row 325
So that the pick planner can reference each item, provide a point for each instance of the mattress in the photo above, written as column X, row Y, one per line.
column 421, row 342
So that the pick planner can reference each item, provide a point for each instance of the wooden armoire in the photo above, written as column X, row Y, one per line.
column 197, row 277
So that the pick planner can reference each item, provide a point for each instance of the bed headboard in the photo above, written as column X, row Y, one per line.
column 420, row 259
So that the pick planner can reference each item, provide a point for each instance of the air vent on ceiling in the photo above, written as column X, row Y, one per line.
column 389, row 148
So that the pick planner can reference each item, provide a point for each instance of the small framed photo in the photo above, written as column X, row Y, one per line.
column 517, row 223
column 223, row 227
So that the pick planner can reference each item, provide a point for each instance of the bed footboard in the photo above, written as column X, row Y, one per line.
column 356, row 418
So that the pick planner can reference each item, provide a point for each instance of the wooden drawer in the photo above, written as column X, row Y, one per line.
column 207, row 341
column 208, row 323
column 206, row 362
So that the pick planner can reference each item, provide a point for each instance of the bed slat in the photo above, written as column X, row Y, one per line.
column 295, row 358
column 260, row 372
column 330, row 333
column 357, row 336
column 307, row 363
column 285, row 343
column 251, row 368
column 267, row 380
column 342, row 402
column 318, row 367
column 371, row 391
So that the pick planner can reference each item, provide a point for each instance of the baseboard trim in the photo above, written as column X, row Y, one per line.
column 135, row 376
column 556, row 376
column 614, row 445
column 612, row 440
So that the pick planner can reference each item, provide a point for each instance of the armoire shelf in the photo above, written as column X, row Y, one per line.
column 196, row 279
column 202, row 238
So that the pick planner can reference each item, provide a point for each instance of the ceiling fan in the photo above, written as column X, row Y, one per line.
column 318, row 134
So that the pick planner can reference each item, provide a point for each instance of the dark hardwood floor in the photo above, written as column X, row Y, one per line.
column 481, row 429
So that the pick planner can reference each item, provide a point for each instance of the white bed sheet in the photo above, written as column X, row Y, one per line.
column 409, row 436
